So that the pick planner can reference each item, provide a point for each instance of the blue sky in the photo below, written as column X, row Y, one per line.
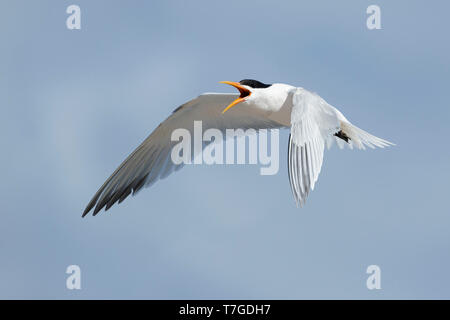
column 75, row 103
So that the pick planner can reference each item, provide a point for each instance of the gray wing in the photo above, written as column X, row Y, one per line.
column 151, row 160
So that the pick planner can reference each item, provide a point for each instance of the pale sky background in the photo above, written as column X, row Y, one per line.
column 74, row 104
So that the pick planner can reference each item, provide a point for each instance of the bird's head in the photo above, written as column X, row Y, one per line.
column 248, row 89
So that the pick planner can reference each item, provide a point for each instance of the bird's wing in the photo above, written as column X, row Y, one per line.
column 357, row 138
column 314, row 122
column 152, row 159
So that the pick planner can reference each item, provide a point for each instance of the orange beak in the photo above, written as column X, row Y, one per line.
column 243, row 91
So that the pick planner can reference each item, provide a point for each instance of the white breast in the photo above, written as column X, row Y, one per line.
column 275, row 102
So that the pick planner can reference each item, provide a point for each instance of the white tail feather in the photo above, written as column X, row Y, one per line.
column 360, row 138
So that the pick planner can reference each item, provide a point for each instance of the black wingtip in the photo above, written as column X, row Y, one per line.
column 89, row 207
column 96, row 211
column 85, row 212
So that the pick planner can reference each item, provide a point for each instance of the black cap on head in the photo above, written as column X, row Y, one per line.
column 254, row 84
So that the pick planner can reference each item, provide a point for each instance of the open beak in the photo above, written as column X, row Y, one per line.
column 243, row 91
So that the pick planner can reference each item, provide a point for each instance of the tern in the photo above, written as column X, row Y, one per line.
column 313, row 122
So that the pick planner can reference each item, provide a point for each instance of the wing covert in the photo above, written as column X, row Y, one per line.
column 151, row 160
